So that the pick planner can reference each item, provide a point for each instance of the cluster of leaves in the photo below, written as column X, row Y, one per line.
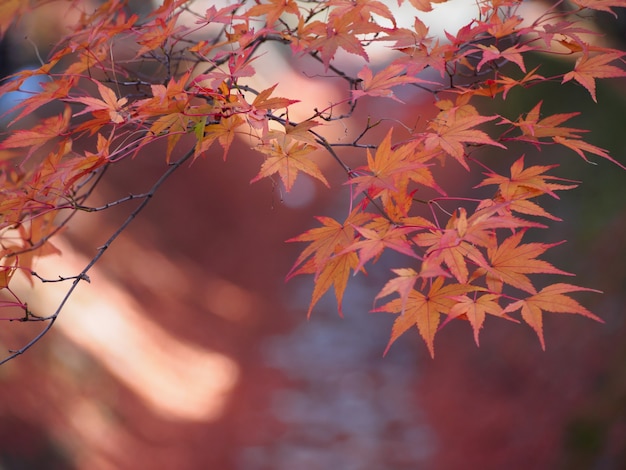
column 465, row 262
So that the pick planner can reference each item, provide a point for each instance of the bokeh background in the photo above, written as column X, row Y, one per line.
column 189, row 351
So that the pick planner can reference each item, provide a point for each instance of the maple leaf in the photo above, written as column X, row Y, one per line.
column 474, row 309
column 532, row 181
column 602, row 5
column 50, row 91
column 512, row 54
column 479, row 229
column 550, row 299
column 224, row 15
column 424, row 310
column 454, row 126
column 587, row 69
column 174, row 125
column 257, row 112
column 335, row 272
column 389, row 172
column 402, row 284
column 339, row 32
column 155, row 34
column 526, row 183
column 511, row 261
column 501, row 27
column 381, row 84
column 325, row 256
column 165, row 99
column 384, row 167
column 6, row 273
column 449, row 246
column 508, row 82
column 109, row 103
column 301, row 131
column 49, row 128
column 223, row 132
column 363, row 9
column 274, row 10
column 568, row 34
column 263, row 100
column 375, row 241
column 423, row 5
column 287, row 157
column 580, row 147
column 328, row 239
column 533, row 128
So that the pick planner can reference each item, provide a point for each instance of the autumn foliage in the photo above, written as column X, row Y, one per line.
column 186, row 75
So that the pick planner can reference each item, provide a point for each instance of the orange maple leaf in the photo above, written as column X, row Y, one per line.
column 602, row 5
column 274, row 10
column 49, row 128
column 512, row 54
column 224, row 132
column 50, row 91
column 474, row 309
column 550, row 299
column 425, row 5
column 526, row 183
column 109, row 103
column 335, row 272
column 455, row 126
column 172, row 124
column 374, row 242
column 384, row 168
column 454, row 245
column 287, row 157
column 361, row 9
column 402, row 284
column 339, row 32
column 533, row 128
column 381, row 84
column 328, row 239
column 511, row 261
column 300, row 131
column 580, row 146
column 587, row 69
column 530, row 182
column 325, row 256
column 390, row 171
column 424, row 310
column 508, row 82
column 263, row 100
column 155, row 34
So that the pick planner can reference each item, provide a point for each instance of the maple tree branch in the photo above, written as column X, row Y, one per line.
column 83, row 275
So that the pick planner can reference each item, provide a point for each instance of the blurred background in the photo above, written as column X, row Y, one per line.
column 189, row 351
